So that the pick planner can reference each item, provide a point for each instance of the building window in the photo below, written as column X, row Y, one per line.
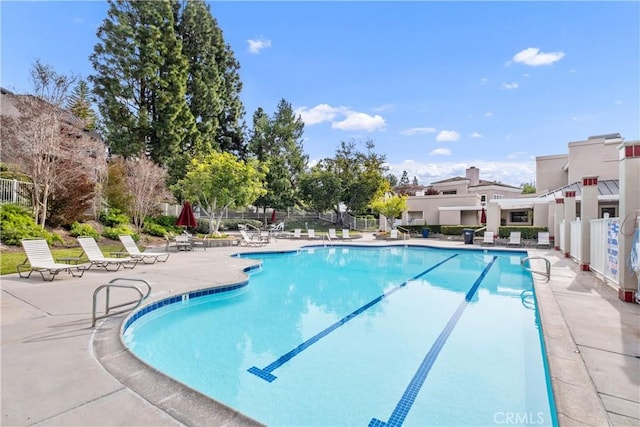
column 519, row 216
column 609, row 210
column 498, row 196
column 450, row 192
column 483, row 199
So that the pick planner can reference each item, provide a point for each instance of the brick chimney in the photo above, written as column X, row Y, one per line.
column 473, row 175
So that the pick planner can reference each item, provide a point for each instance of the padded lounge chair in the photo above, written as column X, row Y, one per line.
column 251, row 241
column 297, row 233
column 393, row 234
column 134, row 252
column 332, row 234
column 514, row 239
column 488, row 238
column 311, row 234
column 345, row 234
column 543, row 239
column 41, row 260
column 97, row 258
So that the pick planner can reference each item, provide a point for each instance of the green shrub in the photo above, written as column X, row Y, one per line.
column 154, row 229
column 203, row 226
column 232, row 224
column 167, row 221
column 114, row 217
column 456, row 230
column 78, row 229
column 16, row 223
column 113, row 232
column 526, row 232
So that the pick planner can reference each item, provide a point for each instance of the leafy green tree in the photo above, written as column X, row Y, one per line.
column 392, row 179
column 79, row 104
column 277, row 142
column 360, row 178
column 140, row 80
column 219, row 181
column 320, row 189
column 528, row 188
column 391, row 206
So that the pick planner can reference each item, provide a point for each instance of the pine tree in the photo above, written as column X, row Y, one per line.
column 277, row 143
column 404, row 180
column 79, row 104
column 140, row 79
column 213, row 86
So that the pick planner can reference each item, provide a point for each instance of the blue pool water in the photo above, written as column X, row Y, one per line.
column 362, row 336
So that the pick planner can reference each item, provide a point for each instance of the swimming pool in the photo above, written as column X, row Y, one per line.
column 361, row 336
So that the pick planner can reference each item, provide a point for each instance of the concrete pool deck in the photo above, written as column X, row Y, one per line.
column 57, row 370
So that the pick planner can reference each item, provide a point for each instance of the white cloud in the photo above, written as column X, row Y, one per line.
column 475, row 135
column 533, row 57
column 342, row 118
column 484, row 80
column 448, row 135
column 384, row 108
column 320, row 113
column 508, row 172
column 359, row 121
column 441, row 152
column 488, row 114
column 417, row 131
column 256, row 45
column 513, row 85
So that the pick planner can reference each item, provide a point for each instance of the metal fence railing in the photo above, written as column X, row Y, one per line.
column 15, row 192
column 604, row 248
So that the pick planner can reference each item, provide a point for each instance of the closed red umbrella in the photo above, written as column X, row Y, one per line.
column 483, row 217
column 273, row 216
column 186, row 217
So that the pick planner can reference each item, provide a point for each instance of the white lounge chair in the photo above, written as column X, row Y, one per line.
column 134, row 252
column 41, row 260
column 514, row 239
column 543, row 239
column 393, row 234
column 250, row 240
column 345, row 234
column 297, row 233
column 332, row 234
column 488, row 238
column 97, row 258
column 311, row 234
column 277, row 227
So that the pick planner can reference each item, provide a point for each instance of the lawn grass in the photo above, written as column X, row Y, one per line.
column 10, row 260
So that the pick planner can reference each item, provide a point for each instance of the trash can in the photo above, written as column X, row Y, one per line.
column 468, row 236
column 425, row 232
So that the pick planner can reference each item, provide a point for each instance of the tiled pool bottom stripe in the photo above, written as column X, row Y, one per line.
column 266, row 372
column 409, row 396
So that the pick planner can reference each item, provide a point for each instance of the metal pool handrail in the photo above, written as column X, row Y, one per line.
column 546, row 273
column 108, row 286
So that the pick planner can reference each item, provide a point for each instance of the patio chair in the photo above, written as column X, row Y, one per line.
column 332, row 234
column 488, row 238
column 41, row 260
column 250, row 240
column 134, row 252
column 345, row 234
column 297, row 233
column 543, row 239
column 393, row 234
column 277, row 227
column 311, row 234
column 97, row 258
column 514, row 239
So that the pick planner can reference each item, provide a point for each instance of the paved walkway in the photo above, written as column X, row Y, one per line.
column 57, row 370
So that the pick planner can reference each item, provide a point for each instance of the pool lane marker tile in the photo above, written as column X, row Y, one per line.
column 411, row 392
column 265, row 373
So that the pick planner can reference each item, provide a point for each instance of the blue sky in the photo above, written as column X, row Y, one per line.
column 438, row 86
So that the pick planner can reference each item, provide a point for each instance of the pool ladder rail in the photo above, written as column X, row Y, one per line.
column 141, row 297
column 546, row 273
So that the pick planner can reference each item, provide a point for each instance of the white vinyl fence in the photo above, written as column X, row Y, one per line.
column 561, row 233
column 576, row 240
column 604, row 248
column 15, row 192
